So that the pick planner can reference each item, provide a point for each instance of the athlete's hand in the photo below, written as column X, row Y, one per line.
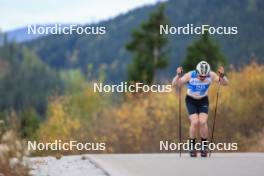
column 221, row 71
column 179, row 70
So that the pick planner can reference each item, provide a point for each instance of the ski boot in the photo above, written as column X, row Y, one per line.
column 204, row 145
column 192, row 150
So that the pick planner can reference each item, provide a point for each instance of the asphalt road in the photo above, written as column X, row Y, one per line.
column 235, row 164
column 66, row 166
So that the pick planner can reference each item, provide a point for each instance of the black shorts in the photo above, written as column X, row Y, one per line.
column 196, row 106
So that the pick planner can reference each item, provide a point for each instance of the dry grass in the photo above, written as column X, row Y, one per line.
column 255, row 144
column 11, row 155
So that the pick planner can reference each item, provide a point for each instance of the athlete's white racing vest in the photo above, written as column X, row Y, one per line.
column 197, row 88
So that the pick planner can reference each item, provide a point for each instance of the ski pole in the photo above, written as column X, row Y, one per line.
column 180, row 135
column 215, row 111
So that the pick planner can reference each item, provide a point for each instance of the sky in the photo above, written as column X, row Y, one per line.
column 20, row 13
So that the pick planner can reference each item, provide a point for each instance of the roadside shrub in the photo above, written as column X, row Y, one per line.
column 11, row 155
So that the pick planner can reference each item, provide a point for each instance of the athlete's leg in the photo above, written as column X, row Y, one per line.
column 194, row 123
column 192, row 132
column 194, row 120
column 203, row 125
column 203, row 133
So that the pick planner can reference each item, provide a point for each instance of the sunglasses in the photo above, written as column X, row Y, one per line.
column 202, row 77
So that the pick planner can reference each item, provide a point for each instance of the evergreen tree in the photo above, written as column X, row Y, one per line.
column 147, row 46
column 203, row 49
column 30, row 121
column 25, row 80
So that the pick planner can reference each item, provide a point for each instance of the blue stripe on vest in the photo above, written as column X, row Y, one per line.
column 201, row 88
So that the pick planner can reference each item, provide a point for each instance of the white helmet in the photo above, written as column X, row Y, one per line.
column 203, row 68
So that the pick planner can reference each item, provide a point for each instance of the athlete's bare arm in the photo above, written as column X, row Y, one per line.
column 179, row 81
column 223, row 81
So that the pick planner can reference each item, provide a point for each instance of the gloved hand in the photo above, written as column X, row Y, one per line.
column 179, row 71
column 221, row 71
